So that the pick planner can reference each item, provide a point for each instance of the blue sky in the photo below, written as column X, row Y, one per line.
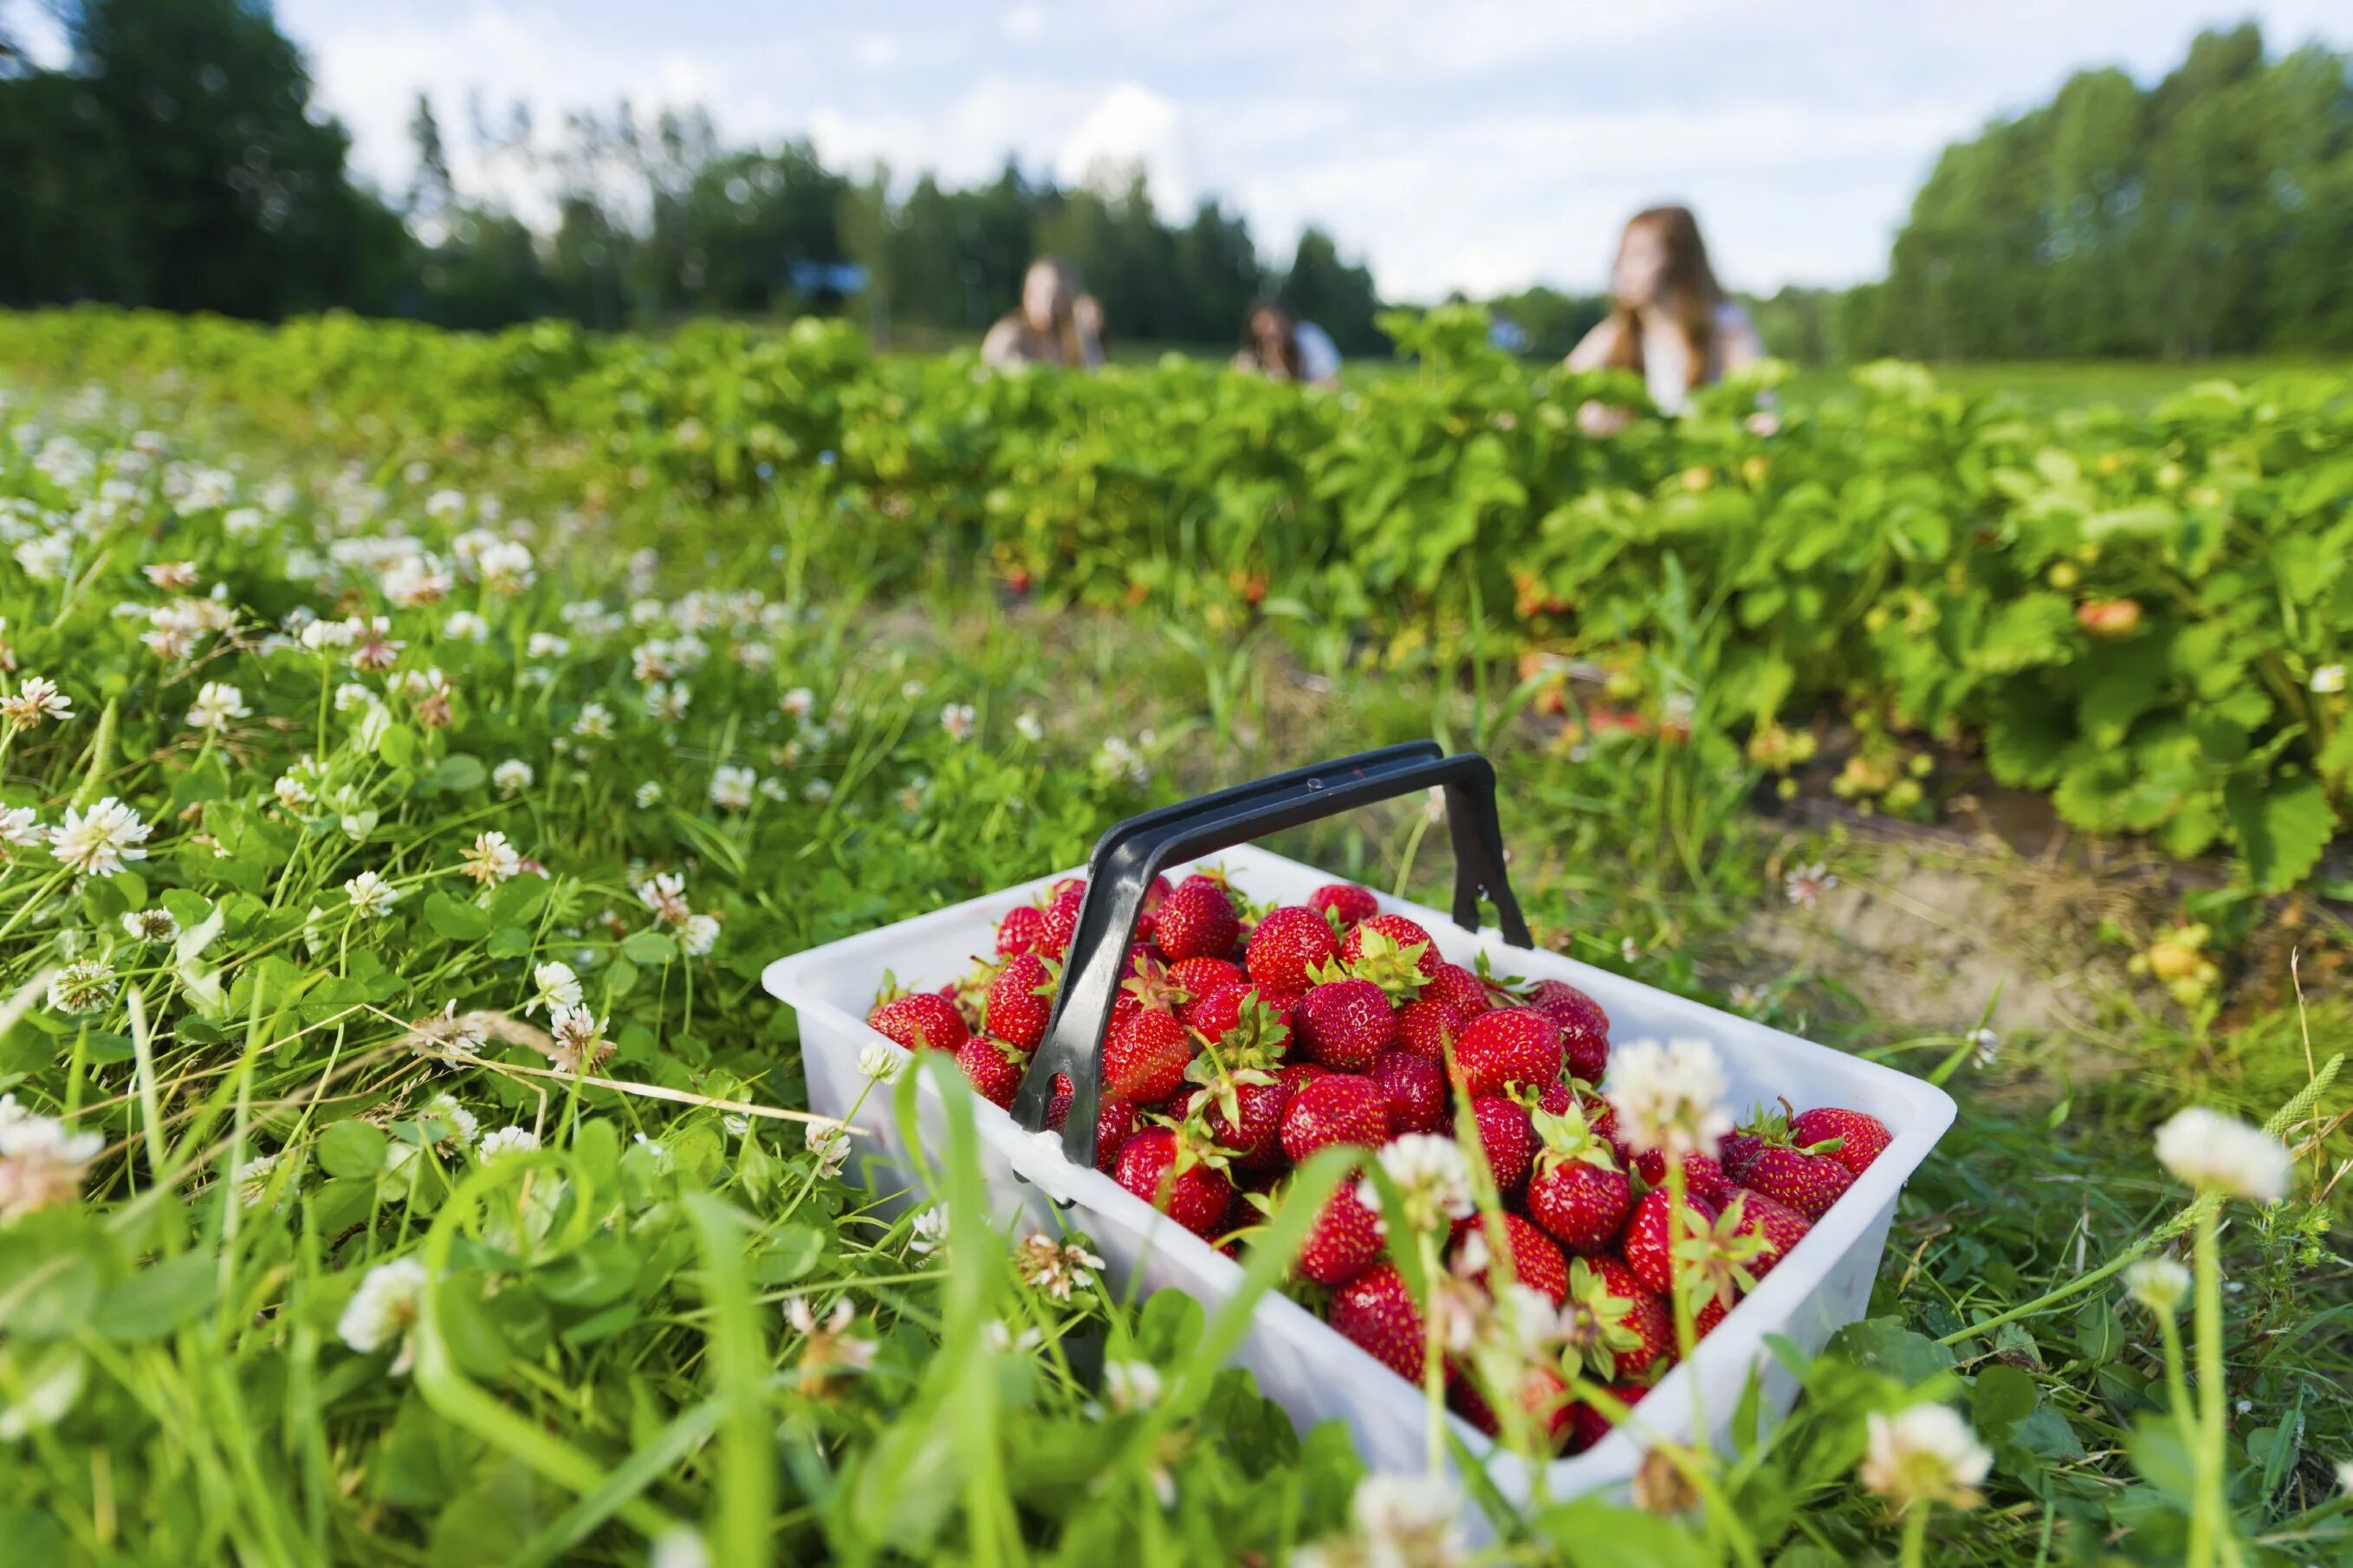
column 1481, row 144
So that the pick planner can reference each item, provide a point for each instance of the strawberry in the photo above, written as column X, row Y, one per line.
column 1809, row 1183
column 1544, row 1400
column 1200, row 976
column 1498, row 1049
column 1375, row 1311
column 1464, row 993
column 1345, row 1024
column 1147, row 919
column 1416, row 1090
column 1862, row 1138
column 1646, row 1238
column 1703, row 1177
column 1612, row 1327
column 1020, row 931
column 1197, row 921
column 1345, row 904
column 1735, row 1152
column 1576, row 1191
column 1021, row 999
column 1290, row 942
column 1338, row 1108
column 1114, row 1123
column 1060, row 918
column 993, row 1066
column 1241, row 1113
column 1781, row 1226
column 1507, row 1139
column 1536, row 1260
column 1177, row 1178
column 1379, row 935
column 920, row 1019
column 1434, row 1019
column 1710, row 1313
column 1583, row 1026
column 1145, row 1060
column 1586, row 1424
column 1346, row 1239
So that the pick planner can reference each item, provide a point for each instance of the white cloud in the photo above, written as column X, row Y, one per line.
column 1132, row 128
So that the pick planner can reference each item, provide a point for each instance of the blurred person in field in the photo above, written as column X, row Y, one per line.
column 1670, row 322
column 1278, row 346
column 1089, row 312
column 1047, row 328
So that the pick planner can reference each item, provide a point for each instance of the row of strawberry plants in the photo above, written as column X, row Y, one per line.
column 2146, row 617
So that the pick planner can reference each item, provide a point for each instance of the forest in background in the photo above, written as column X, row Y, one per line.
column 177, row 161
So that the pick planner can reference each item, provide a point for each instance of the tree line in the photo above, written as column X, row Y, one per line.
column 177, row 160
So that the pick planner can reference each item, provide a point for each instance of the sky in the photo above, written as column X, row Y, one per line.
column 1480, row 145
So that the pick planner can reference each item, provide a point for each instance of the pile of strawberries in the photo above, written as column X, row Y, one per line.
column 1246, row 1038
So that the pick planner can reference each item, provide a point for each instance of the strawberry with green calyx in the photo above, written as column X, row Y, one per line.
column 1114, row 1123
column 1544, row 1404
column 993, row 1067
column 1345, row 904
column 1020, row 1001
column 1200, row 976
column 1390, row 938
column 1259, row 1036
column 1197, row 920
column 1180, row 1177
column 1703, row 1177
column 1771, row 1159
column 1346, row 1239
column 1536, row 1260
column 1416, row 1087
column 1645, row 1244
column 1855, row 1137
column 1153, row 984
column 1379, row 960
column 1021, row 931
column 1143, row 1061
column 1506, row 1139
column 1510, row 1046
column 1780, row 1227
column 1613, row 1329
column 1583, row 1026
column 1061, row 916
column 1241, row 1099
column 918, row 1020
column 1715, row 1261
column 1576, row 1191
column 1338, row 1108
column 1288, row 946
column 1344, row 1023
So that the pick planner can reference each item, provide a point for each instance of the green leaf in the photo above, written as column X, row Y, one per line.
column 2024, row 633
column 353, row 1149
column 458, row 921
column 152, row 1302
column 1885, row 1345
column 2281, row 829
column 2099, row 1333
column 789, row 1255
column 2003, row 1394
column 456, row 773
column 649, row 949
column 469, row 1329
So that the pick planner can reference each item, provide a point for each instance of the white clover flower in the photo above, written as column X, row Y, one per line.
column 463, row 1127
column 669, row 701
column 1434, row 1179
column 2329, row 679
column 958, row 720
column 505, row 1140
column 512, row 777
column 797, row 703
column 665, row 895
column 679, row 1546
column 217, row 703
column 2160, row 1284
column 326, row 637
column 1669, row 1096
column 98, row 841
column 350, row 694
column 371, row 895
column 506, row 567
column 912, row 690
column 20, row 827
column 445, row 505
column 699, row 935
column 384, row 1309
column 41, row 1160
column 594, row 723
column 999, row 1336
column 1985, row 1045
column 251, row 1180
column 1029, row 726
column 731, row 787
column 1396, row 1521
column 2215, row 1153
column 377, row 649
column 465, row 626
column 150, row 925
column 580, row 1043
column 35, row 699
column 830, row 1144
column 817, row 791
column 492, row 860
column 1131, row 1386
column 547, row 644
column 415, row 580
column 929, row 1233
column 1055, row 1268
column 1805, row 884
column 242, row 522
column 292, row 793
column 559, row 988
column 879, row 1061
column 1924, row 1455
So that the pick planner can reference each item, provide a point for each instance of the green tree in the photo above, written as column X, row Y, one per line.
column 1336, row 296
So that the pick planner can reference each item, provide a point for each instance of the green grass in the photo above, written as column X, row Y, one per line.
column 609, row 1356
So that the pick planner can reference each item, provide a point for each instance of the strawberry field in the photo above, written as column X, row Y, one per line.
column 413, row 747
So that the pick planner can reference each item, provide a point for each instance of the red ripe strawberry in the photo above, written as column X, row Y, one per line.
column 1145, row 1060
column 1346, row 1239
column 1289, row 944
column 1215, row 1013
column 1508, row 1139
column 1583, row 1026
column 1544, row 1399
column 1198, row 977
column 1863, row 1138
column 1809, row 1183
column 1781, row 1226
column 1586, row 1424
column 1345, row 1024
column 1021, row 1000
column 1736, row 1152
column 1510, row 1046
column 1711, row 1312
column 1611, row 1327
column 1114, row 1123
column 1344, row 903
column 1435, row 1018
column 1416, row 1090
column 1703, row 1177
column 1576, row 1191
column 1061, row 916
column 993, row 1067
column 1646, row 1236
column 1020, row 931
column 1375, row 1311
column 922, row 1019
column 1147, row 921
column 1403, row 935
column 1338, row 1108
column 1464, row 993
column 1159, row 1167
column 1298, row 1073
column 1536, row 1260
column 1250, row 1129
column 1197, row 921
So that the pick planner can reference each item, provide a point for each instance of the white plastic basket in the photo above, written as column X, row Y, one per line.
column 1310, row 1371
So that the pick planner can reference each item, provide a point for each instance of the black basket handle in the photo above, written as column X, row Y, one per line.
column 1135, row 851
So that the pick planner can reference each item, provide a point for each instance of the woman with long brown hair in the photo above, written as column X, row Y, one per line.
column 1277, row 345
column 1047, row 328
column 1670, row 322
